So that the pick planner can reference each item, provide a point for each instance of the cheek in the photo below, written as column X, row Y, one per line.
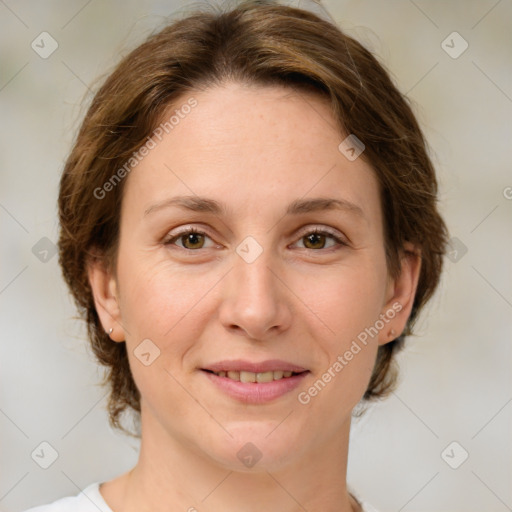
column 162, row 302
column 168, row 307
column 349, row 305
column 349, row 299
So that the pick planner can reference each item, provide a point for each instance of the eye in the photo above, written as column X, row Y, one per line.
column 191, row 239
column 316, row 239
column 194, row 238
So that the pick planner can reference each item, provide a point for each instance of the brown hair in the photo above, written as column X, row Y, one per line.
column 258, row 43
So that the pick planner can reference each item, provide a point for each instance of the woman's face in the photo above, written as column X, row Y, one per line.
column 252, row 288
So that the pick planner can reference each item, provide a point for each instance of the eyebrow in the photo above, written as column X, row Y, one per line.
column 297, row 207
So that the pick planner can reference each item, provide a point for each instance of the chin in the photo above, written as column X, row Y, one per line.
column 257, row 446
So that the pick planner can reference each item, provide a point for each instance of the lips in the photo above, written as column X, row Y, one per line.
column 247, row 371
column 255, row 383
column 245, row 376
column 240, row 365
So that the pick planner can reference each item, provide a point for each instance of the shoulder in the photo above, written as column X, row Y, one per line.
column 89, row 500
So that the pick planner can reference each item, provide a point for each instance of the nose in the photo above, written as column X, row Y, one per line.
column 256, row 302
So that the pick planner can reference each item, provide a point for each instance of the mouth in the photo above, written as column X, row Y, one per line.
column 260, row 377
column 255, row 383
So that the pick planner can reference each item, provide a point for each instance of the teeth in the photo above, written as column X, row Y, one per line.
column 265, row 377
column 247, row 377
column 244, row 376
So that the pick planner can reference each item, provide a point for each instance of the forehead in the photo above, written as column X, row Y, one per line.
column 251, row 145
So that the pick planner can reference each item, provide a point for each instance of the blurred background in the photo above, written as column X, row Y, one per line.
column 442, row 441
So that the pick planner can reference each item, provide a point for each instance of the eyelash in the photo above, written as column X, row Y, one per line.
column 317, row 231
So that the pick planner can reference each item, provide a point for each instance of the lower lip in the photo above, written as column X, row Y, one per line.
column 256, row 392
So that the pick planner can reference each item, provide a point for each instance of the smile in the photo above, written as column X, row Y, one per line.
column 245, row 376
column 255, row 387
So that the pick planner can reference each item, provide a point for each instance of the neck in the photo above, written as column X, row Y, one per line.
column 171, row 475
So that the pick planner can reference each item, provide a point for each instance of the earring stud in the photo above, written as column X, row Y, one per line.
column 110, row 331
column 392, row 333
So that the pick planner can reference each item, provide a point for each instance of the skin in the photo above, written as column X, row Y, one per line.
column 254, row 149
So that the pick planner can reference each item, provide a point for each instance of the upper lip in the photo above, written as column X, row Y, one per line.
column 238, row 365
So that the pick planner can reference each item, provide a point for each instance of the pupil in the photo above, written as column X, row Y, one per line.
column 193, row 238
column 315, row 236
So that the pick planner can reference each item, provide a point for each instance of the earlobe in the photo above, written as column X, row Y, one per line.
column 104, row 289
column 400, row 294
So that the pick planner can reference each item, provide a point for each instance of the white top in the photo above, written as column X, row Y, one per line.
column 91, row 500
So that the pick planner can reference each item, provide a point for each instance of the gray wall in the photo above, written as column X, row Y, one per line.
column 456, row 378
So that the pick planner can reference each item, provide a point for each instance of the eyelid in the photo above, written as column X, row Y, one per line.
column 323, row 230
column 169, row 239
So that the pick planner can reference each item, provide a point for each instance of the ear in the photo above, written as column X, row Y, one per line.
column 400, row 294
column 105, row 292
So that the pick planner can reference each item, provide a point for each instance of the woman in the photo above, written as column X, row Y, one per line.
column 249, row 226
